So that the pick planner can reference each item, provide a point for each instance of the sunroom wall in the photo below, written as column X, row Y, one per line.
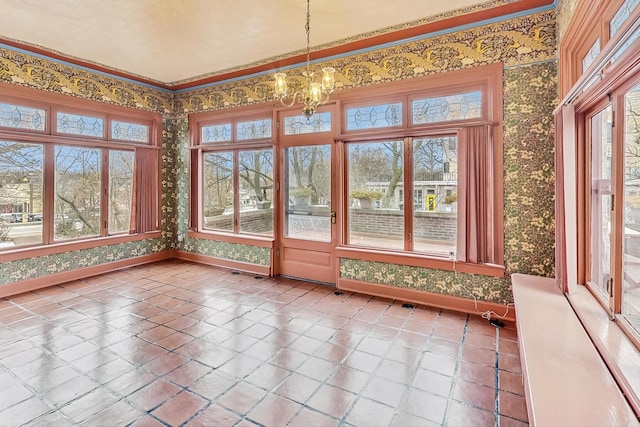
column 527, row 47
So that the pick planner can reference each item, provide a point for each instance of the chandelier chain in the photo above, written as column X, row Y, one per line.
column 307, row 28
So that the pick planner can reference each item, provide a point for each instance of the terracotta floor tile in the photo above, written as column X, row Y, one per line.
column 147, row 421
column 165, row 363
column 509, row 362
column 246, row 350
column 478, row 355
column 510, row 422
column 240, row 366
column 362, row 361
column 317, row 368
column 480, row 396
column 433, row 382
column 297, row 387
column 179, row 408
column 89, row 405
column 511, row 382
column 310, row 418
column 242, row 397
column 404, row 419
column 268, row 376
column 479, row 374
column 463, row 415
column 512, row 406
column 425, row 405
column 332, row 401
column 188, row 373
column 213, row 385
column 153, row 394
column 349, row 379
column 385, row 391
column 480, row 340
column 24, row 411
column 214, row 415
column 274, row 411
column 366, row 412
column 438, row 363
column 131, row 381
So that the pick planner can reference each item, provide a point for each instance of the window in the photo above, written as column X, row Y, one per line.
column 234, row 158
column 434, row 189
column 67, row 179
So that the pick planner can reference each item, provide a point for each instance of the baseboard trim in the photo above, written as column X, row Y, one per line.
column 29, row 285
column 222, row 262
column 446, row 302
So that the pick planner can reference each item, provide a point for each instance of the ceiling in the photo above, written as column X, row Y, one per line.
column 176, row 41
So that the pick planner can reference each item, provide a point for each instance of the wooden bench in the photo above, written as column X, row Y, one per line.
column 566, row 382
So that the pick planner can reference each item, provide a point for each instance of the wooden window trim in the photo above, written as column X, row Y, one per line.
column 52, row 103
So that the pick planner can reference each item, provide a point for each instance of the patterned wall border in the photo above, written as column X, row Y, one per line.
column 382, row 31
column 33, row 71
column 518, row 41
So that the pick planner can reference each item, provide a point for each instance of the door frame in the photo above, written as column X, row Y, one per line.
column 306, row 259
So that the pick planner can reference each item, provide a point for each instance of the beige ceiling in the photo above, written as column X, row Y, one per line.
column 173, row 41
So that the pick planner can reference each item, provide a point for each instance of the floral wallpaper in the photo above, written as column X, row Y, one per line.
column 526, row 45
column 176, row 190
column 565, row 10
column 494, row 289
column 530, row 95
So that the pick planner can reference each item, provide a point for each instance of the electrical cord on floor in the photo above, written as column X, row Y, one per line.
column 490, row 315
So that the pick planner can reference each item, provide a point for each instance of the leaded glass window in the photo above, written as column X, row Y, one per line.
column 75, row 124
column 217, row 133
column 129, row 131
column 20, row 117
column 447, row 108
column 374, row 116
column 625, row 46
column 591, row 55
column 622, row 15
column 254, row 129
column 296, row 125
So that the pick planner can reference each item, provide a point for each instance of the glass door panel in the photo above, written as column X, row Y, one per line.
column 308, row 193
column 601, row 200
column 631, row 260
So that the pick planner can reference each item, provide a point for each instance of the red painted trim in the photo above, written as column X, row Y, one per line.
column 444, row 24
column 226, row 263
column 29, row 285
column 446, row 302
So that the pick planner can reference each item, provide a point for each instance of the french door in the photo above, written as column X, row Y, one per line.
column 307, row 220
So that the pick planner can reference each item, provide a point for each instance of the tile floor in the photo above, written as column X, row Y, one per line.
column 175, row 343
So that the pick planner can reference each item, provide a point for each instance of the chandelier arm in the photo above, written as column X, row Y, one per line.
column 295, row 97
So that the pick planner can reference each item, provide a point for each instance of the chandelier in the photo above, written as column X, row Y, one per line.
column 313, row 93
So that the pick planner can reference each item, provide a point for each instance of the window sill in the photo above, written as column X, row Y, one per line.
column 419, row 260
column 74, row 245
column 615, row 347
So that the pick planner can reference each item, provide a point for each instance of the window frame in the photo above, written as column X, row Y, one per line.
column 198, row 149
column 50, row 138
column 489, row 83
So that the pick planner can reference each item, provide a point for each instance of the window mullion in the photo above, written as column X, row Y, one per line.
column 49, row 194
column 104, row 193
column 408, row 194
